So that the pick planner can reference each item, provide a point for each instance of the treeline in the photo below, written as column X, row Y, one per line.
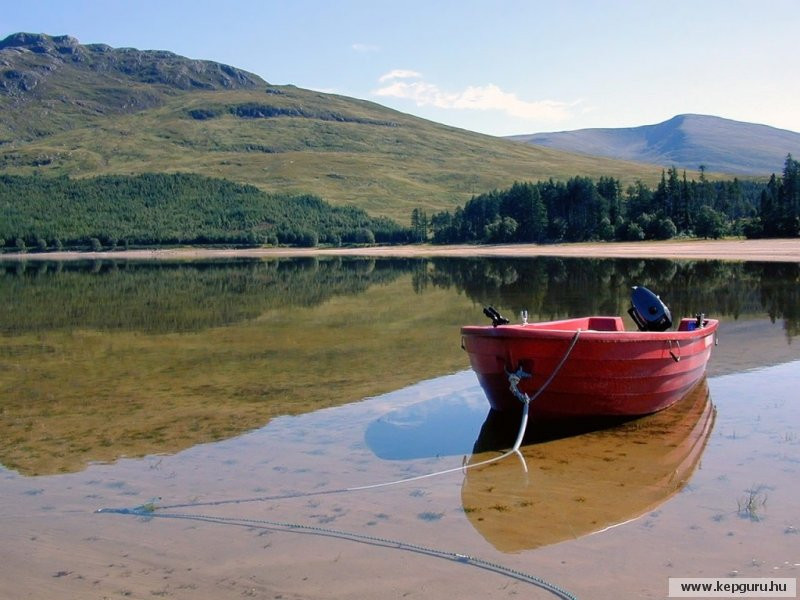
column 107, row 212
column 584, row 210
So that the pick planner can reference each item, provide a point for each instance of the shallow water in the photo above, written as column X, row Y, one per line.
column 707, row 488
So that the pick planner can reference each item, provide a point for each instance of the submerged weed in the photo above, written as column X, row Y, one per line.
column 430, row 516
column 751, row 505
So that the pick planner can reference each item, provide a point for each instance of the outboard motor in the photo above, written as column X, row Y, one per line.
column 496, row 317
column 648, row 311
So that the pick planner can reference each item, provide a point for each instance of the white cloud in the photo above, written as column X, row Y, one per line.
column 365, row 47
column 399, row 74
column 409, row 85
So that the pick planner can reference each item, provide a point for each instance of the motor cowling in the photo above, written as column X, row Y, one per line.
column 496, row 317
column 648, row 311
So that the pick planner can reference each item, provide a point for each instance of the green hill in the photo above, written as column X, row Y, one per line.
column 88, row 110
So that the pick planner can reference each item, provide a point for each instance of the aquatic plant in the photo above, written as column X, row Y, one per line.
column 751, row 505
column 430, row 516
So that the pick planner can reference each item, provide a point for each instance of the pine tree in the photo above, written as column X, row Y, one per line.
column 789, row 198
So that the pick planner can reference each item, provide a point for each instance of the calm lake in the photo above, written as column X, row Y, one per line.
column 265, row 412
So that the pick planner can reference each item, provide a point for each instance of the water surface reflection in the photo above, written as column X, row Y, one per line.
column 103, row 360
column 577, row 485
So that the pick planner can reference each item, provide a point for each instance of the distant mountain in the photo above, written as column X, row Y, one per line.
column 84, row 110
column 684, row 141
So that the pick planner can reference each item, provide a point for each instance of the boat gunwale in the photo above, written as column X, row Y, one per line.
column 567, row 328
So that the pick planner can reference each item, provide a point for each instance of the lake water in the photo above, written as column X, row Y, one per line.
column 260, row 407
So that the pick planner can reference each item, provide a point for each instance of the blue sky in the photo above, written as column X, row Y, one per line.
column 503, row 67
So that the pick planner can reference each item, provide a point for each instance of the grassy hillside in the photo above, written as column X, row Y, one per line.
column 165, row 113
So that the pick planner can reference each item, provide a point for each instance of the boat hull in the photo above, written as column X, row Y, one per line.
column 608, row 371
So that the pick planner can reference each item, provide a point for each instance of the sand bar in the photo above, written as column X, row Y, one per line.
column 773, row 250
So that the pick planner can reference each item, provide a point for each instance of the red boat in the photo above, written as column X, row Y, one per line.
column 591, row 366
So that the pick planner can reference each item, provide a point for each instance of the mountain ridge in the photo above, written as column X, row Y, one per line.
column 150, row 66
column 686, row 141
column 57, row 74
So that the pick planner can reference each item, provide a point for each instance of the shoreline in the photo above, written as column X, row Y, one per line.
column 768, row 250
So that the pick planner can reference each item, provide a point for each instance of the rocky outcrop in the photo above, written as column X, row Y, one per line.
column 52, row 83
column 27, row 59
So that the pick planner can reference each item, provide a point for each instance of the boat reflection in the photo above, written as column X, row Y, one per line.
column 582, row 484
